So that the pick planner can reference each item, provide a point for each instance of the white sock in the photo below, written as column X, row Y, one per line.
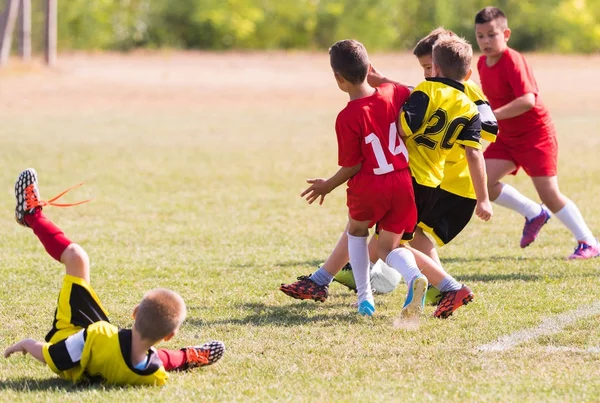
column 359, row 260
column 511, row 198
column 572, row 219
column 403, row 261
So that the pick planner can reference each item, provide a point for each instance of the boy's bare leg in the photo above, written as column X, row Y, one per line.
column 403, row 261
column 423, row 243
column 496, row 170
column 76, row 261
column 568, row 213
column 339, row 256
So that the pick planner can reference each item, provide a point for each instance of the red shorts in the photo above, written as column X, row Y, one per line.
column 385, row 199
column 536, row 152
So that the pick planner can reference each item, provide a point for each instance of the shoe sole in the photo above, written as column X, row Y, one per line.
column 296, row 295
column 415, row 307
column 448, row 313
column 26, row 178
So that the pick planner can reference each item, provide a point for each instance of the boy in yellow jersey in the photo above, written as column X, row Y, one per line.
column 457, row 198
column 82, row 345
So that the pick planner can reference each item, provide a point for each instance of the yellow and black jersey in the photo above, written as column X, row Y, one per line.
column 102, row 353
column 436, row 116
column 457, row 178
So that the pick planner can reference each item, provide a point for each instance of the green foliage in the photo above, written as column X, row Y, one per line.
column 555, row 25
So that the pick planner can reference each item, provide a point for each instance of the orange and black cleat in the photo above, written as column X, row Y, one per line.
column 305, row 288
column 206, row 354
column 452, row 300
column 27, row 194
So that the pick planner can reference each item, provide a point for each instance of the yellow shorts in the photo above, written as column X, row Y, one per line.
column 78, row 307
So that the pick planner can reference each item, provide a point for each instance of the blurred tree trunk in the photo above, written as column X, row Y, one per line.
column 10, row 16
column 25, row 30
column 51, row 31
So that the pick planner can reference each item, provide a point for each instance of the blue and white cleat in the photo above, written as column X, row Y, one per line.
column 366, row 308
column 415, row 299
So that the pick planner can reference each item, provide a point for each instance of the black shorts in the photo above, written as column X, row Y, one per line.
column 450, row 214
column 78, row 307
column 425, row 198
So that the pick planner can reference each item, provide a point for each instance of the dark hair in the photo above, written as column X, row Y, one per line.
column 452, row 55
column 425, row 46
column 490, row 14
column 349, row 59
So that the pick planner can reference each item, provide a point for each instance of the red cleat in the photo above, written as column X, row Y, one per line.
column 452, row 300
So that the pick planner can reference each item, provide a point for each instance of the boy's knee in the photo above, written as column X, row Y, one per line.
column 74, row 255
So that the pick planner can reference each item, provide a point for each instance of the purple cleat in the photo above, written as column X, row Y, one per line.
column 532, row 227
column 585, row 251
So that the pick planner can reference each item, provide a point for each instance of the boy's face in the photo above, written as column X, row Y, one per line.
column 426, row 63
column 492, row 37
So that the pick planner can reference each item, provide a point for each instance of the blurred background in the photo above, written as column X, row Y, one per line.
column 394, row 25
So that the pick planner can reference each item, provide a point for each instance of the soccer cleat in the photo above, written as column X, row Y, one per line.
column 452, row 300
column 532, row 227
column 305, row 288
column 433, row 295
column 415, row 299
column 27, row 194
column 366, row 308
column 585, row 251
column 201, row 356
column 346, row 278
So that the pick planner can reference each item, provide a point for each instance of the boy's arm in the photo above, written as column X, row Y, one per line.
column 320, row 187
column 476, row 163
column 35, row 348
column 375, row 78
column 516, row 107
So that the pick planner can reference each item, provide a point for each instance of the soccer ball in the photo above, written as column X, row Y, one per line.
column 384, row 279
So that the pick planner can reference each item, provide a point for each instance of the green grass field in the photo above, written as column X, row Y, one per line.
column 195, row 163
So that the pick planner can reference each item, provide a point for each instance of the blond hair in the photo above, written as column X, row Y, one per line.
column 452, row 56
column 160, row 313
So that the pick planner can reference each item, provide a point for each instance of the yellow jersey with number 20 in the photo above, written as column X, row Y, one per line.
column 457, row 178
column 436, row 116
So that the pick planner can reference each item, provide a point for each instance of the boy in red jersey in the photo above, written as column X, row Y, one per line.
column 82, row 345
column 374, row 160
column 527, row 137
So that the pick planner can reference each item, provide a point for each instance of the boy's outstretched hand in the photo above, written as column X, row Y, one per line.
column 16, row 348
column 35, row 348
column 319, row 188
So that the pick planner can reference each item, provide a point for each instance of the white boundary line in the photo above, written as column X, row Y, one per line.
column 548, row 326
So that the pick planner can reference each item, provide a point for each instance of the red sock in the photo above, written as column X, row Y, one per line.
column 54, row 240
column 172, row 359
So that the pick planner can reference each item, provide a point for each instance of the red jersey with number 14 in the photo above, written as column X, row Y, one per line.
column 367, row 132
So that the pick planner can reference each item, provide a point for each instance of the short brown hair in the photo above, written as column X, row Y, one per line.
column 349, row 59
column 452, row 55
column 425, row 46
column 160, row 313
column 490, row 14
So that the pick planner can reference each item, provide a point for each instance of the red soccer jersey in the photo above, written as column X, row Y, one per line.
column 507, row 80
column 367, row 132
